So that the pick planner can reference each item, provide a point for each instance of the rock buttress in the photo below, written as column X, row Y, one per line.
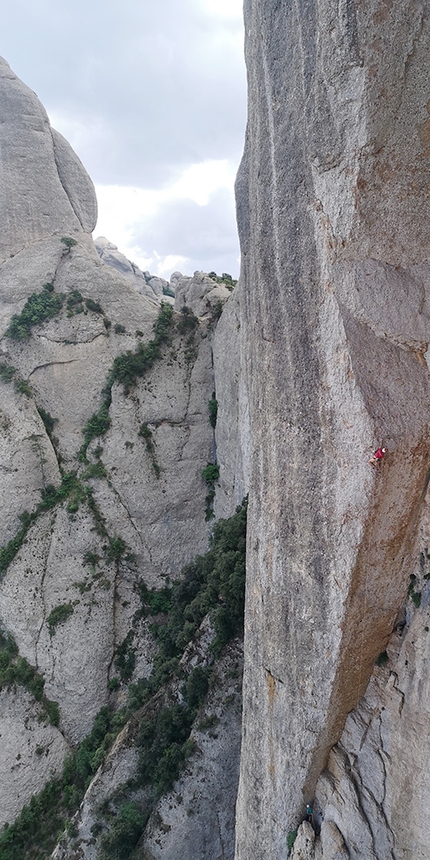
column 332, row 211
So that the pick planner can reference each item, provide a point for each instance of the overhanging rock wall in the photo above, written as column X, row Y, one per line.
column 332, row 201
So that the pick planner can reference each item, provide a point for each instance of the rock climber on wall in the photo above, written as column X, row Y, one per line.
column 377, row 457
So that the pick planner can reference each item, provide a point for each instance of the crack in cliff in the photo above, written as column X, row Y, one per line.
column 52, row 364
column 42, row 597
column 72, row 205
column 382, row 754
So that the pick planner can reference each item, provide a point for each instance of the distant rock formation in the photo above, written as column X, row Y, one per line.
column 104, row 434
column 147, row 285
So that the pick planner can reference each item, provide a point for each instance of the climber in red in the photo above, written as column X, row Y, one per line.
column 377, row 458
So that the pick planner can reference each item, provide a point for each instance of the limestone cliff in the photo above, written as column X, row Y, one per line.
column 104, row 434
column 333, row 219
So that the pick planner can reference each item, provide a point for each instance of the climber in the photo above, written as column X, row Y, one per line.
column 309, row 812
column 377, row 457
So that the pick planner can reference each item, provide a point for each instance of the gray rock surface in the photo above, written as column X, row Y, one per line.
column 109, row 253
column 334, row 227
column 232, row 425
column 200, row 294
column 31, row 209
column 197, row 817
column 33, row 751
column 373, row 793
column 68, row 594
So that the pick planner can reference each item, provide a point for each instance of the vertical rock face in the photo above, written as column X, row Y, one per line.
column 31, row 210
column 332, row 210
column 100, row 478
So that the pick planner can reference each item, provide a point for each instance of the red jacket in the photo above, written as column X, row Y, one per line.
column 379, row 454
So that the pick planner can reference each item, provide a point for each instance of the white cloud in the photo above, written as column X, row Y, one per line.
column 152, row 98
column 125, row 212
column 230, row 9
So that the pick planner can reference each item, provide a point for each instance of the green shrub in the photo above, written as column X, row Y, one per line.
column 95, row 470
column 48, row 421
column 213, row 410
column 38, row 308
column 93, row 306
column 116, row 549
column 225, row 279
column 188, row 321
column 22, row 387
column 196, row 687
column 7, row 372
column 291, row 838
column 211, row 472
column 74, row 302
column 59, row 615
column 125, row 659
column 124, row 834
column 69, row 243
column 146, row 433
column 97, row 425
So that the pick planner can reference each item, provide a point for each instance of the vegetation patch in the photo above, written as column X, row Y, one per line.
column 415, row 596
column 126, row 370
column 187, row 327
column 74, row 303
column 93, row 306
column 291, row 838
column 68, row 243
column 213, row 583
column 9, row 373
column 225, row 279
column 34, row 834
column 146, row 433
column 38, row 308
column 125, row 659
column 213, row 410
column 210, row 474
column 70, row 488
column 126, row 828
column 382, row 660
column 16, row 670
column 59, row 615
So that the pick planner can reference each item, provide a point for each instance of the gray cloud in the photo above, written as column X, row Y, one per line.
column 205, row 235
column 166, row 88
column 142, row 90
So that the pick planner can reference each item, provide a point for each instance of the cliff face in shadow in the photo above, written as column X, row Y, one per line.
column 333, row 218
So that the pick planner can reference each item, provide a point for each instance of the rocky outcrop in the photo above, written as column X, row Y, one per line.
column 200, row 294
column 31, row 209
column 334, row 235
column 232, row 422
column 104, row 433
column 32, row 751
column 146, row 284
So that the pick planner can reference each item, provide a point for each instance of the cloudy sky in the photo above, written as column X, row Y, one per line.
column 151, row 94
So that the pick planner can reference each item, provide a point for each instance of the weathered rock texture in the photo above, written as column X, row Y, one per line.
column 146, row 285
column 68, row 594
column 333, row 217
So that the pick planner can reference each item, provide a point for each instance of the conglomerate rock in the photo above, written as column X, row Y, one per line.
column 333, row 218
column 100, row 478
